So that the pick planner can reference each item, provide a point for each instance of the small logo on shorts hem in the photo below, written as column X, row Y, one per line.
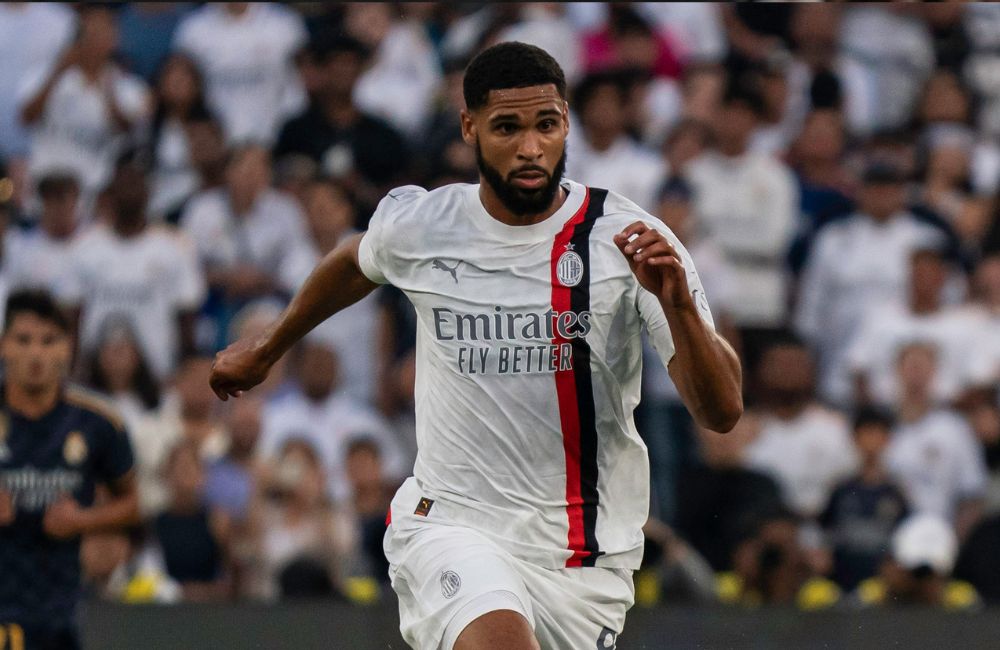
column 607, row 639
column 424, row 506
column 450, row 584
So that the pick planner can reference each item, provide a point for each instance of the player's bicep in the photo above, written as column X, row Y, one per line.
column 117, row 459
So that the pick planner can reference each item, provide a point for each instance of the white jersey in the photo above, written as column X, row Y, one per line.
column 529, row 358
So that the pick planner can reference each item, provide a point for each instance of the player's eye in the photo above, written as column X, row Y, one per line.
column 505, row 128
column 546, row 125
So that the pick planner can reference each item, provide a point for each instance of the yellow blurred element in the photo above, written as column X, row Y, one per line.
column 817, row 593
column 871, row 591
column 728, row 588
column 361, row 590
column 6, row 190
column 141, row 588
column 959, row 595
column 647, row 588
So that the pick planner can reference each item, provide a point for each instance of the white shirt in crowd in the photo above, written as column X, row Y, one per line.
column 250, row 80
column 544, row 26
column 75, row 131
column 749, row 204
column 271, row 236
column 625, row 167
column 886, row 56
column 35, row 260
column 144, row 280
column 938, row 462
column 807, row 456
column 855, row 265
column 351, row 333
column 888, row 328
column 174, row 178
column 529, row 359
column 402, row 80
column 330, row 425
column 32, row 34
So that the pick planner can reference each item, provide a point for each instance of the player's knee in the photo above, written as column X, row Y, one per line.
column 502, row 629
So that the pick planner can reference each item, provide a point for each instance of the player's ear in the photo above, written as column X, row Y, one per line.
column 565, row 116
column 469, row 133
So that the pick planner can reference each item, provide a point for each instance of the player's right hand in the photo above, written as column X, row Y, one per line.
column 7, row 512
column 238, row 368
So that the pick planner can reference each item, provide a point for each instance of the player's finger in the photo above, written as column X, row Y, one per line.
column 633, row 229
column 644, row 241
column 659, row 248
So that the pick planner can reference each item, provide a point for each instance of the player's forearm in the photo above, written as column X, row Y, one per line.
column 336, row 282
column 705, row 369
column 118, row 513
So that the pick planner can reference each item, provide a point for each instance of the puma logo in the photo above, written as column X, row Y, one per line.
column 441, row 266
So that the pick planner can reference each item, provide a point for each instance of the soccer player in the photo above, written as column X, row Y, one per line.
column 56, row 444
column 522, row 523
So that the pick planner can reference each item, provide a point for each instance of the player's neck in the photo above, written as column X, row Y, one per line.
column 496, row 209
column 30, row 403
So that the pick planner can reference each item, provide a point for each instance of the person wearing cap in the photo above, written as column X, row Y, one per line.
column 856, row 264
column 918, row 569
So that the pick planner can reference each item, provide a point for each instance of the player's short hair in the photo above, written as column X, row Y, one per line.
column 38, row 303
column 510, row 65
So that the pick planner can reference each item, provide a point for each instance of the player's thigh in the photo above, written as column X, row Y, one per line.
column 445, row 578
column 500, row 628
column 581, row 608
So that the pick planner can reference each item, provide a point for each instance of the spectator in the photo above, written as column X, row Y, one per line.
column 347, row 142
column 887, row 56
column 604, row 155
column 371, row 494
column 327, row 418
column 933, row 454
column 207, row 150
column 249, row 323
column 864, row 510
column 802, row 445
column 117, row 369
column 856, row 264
column 629, row 41
column 720, row 501
column 232, row 481
column 251, row 239
column 918, row 571
column 192, row 537
column 661, row 417
column 402, row 77
column 546, row 25
column 871, row 356
column 350, row 333
column 180, row 100
column 83, row 109
column 31, row 36
column 296, row 548
column 147, row 33
column 979, row 24
column 444, row 156
column 191, row 409
column 39, row 257
column 245, row 51
column 817, row 157
column 144, row 274
column 746, row 202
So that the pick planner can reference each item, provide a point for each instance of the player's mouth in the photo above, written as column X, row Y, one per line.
column 530, row 180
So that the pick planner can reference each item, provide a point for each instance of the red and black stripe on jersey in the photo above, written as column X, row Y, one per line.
column 575, row 390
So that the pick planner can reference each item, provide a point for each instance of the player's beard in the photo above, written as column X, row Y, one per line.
column 522, row 202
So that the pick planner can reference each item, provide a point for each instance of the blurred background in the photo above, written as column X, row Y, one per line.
column 173, row 171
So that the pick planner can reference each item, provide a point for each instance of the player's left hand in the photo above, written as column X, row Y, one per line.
column 655, row 263
column 63, row 519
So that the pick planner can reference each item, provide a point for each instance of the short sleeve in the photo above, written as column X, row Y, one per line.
column 376, row 248
column 116, row 459
column 651, row 311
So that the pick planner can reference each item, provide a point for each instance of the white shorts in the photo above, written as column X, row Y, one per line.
column 446, row 576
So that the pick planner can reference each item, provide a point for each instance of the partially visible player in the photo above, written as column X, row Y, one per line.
column 522, row 523
column 57, row 443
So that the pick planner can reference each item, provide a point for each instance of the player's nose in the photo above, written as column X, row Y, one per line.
column 530, row 147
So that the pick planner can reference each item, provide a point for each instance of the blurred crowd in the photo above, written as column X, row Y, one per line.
column 173, row 171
